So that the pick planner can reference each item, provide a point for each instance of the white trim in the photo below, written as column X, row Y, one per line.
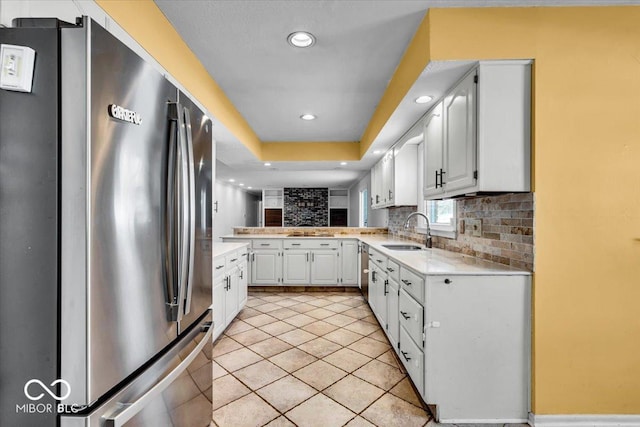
column 450, row 234
column 584, row 420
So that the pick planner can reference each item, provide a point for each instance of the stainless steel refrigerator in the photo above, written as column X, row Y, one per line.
column 105, row 238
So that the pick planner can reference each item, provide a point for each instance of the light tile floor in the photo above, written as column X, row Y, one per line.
column 311, row 359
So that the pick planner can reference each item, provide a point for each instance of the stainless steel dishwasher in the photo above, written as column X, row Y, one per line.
column 364, row 270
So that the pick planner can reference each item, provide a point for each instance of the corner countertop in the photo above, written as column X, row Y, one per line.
column 223, row 248
column 424, row 262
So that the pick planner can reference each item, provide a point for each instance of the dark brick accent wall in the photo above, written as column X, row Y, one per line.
column 306, row 207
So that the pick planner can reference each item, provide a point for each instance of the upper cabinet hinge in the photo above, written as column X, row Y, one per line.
column 475, row 174
column 475, row 78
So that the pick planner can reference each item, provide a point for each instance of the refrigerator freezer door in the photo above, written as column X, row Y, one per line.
column 175, row 391
column 200, row 290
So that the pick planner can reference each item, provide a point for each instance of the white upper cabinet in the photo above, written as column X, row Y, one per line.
column 394, row 176
column 433, row 151
column 477, row 139
column 460, row 135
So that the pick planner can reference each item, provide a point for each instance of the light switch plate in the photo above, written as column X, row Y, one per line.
column 16, row 67
column 473, row 227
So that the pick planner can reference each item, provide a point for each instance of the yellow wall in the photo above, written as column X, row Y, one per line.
column 587, row 180
column 310, row 151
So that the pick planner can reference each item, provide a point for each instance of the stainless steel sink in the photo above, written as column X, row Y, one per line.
column 404, row 247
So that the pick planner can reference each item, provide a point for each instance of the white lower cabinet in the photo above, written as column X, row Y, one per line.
column 378, row 283
column 393, row 322
column 299, row 261
column 349, row 271
column 478, row 339
column 324, row 267
column 229, row 288
column 219, row 294
column 266, row 267
column 412, row 358
column 296, row 267
column 464, row 340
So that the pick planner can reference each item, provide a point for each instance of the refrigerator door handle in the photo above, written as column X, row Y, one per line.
column 183, row 211
column 191, row 218
column 129, row 410
column 172, row 241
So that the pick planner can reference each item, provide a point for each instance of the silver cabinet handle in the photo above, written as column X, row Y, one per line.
column 405, row 315
column 234, row 260
column 265, row 244
column 218, row 267
column 324, row 244
column 307, row 254
column 129, row 410
column 404, row 354
column 406, row 282
column 295, row 244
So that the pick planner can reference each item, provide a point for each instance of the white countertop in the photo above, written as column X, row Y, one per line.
column 427, row 261
column 223, row 248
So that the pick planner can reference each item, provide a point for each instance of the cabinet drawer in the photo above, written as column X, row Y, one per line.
column 411, row 316
column 310, row 244
column 393, row 269
column 412, row 283
column 378, row 259
column 412, row 359
column 267, row 244
column 232, row 259
column 219, row 266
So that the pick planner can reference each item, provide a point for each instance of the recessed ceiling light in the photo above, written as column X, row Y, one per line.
column 232, row 180
column 377, row 151
column 301, row 39
column 423, row 99
column 267, row 164
column 249, row 188
column 343, row 163
column 308, row 117
column 241, row 185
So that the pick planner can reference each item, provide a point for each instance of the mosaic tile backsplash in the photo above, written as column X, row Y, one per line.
column 507, row 229
column 306, row 207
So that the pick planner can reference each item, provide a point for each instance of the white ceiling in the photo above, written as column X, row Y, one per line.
column 341, row 79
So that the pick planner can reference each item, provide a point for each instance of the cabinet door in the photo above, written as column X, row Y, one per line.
column 413, row 359
column 266, row 267
column 349, row 263
column 295, row 267
column 433, row 151
column 487, row 316
column 460, row 135
column 373, row 285
column 219, row 297
column 382, row 300
column 393, row 323
column 231, row 296
column 387, row 178
column 324, row 267
column 243, row 280
column 376, row 185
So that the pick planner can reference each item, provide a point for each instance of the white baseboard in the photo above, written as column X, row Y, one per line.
column 584, row 420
